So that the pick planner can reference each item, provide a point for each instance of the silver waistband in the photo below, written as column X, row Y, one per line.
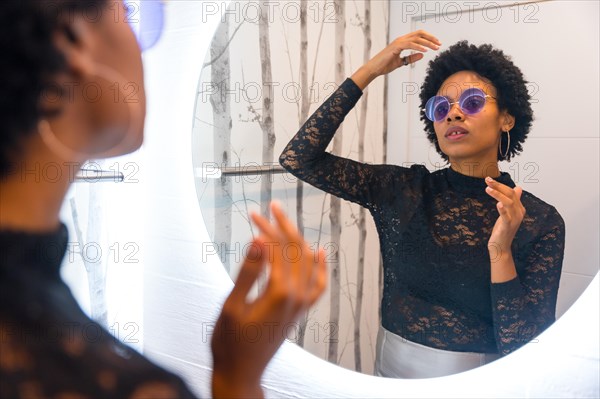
column 398, row 357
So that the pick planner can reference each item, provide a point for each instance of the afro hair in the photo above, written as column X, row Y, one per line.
column 29, row 62
column 493, row 65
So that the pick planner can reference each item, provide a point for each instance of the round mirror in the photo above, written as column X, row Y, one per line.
column 270, row 66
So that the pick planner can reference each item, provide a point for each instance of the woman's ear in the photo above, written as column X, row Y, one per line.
column 75, row 42
column 73, row 39
column 508, row 121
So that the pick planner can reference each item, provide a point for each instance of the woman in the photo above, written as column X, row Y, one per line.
column 469, row 274
column 52, row 51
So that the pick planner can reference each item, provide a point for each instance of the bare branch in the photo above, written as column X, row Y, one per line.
column 224, row 48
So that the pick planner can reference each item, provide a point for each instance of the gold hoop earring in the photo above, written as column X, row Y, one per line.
column 507, row 146
column 135, row 119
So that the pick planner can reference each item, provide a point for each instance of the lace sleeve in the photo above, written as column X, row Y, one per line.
column 525, row 306
column 305, row 156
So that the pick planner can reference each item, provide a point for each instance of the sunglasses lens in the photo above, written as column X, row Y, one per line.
column 437, row 108
column 146, row 19
column 472, row 101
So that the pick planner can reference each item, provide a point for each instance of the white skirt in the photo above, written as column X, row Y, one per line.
column 398, row 357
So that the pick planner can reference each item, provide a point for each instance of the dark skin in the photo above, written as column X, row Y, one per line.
column 293, row 286
column 105, row 52
column 475, row 154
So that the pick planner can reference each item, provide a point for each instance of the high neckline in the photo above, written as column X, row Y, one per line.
column 474, row 185
column 39, row 250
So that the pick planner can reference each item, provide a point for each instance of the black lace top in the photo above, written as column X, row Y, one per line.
column 433, row 231
column 49, row 347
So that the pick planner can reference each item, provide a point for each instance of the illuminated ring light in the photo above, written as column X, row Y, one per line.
column 564, row 362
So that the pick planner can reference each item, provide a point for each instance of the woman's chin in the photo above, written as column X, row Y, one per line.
column 125, row 146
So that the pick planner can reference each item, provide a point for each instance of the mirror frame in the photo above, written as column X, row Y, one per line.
column 537, row 369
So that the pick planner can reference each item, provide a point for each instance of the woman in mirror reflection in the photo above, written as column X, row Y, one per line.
column 51, row 51
column 471, row 262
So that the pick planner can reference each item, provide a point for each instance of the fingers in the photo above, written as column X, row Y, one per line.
column 518, row 191
column 426, row 43
column 413, row 46
column 503, row 188
column 503, row 211
column 419, row 38
column 413, row 58
column 283, row 227
column 503, row 201
column 508, row 198
column 252, row 266
column 427, row 36
column 389, row 59
column 276, row 243
column 297, row 272
column 284, row 223
column 273, row 247
column 297, row 253
column 417, row 41
column 265, row 226
column 499, row 195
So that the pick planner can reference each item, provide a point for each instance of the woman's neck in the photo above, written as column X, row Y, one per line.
column 30, row 198
column 476, row 168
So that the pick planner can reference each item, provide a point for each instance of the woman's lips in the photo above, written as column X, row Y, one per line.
column 455, row 133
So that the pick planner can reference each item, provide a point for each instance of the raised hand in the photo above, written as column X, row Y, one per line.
column 390, row 58
column 248, row 333
column 511, row 212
